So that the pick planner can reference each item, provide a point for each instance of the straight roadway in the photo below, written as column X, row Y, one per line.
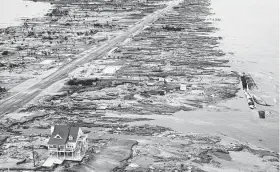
column 18, row 100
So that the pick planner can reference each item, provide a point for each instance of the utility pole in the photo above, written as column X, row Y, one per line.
column 33, row 152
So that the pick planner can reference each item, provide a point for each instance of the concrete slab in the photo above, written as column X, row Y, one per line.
column 51, row 161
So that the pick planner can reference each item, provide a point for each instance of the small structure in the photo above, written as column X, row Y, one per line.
column 198, row 92
column 114, row 53
column 261, row 114
column 150, row 83
column 183, row 87
column 101, row 109
column 162, row 92
column 69, row 143
column 168, row 79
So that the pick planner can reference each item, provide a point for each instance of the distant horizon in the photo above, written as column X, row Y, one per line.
column 11, row 11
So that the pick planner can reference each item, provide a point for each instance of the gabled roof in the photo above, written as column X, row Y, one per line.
column 57, row 136
column 74, row 133
column 63, row 131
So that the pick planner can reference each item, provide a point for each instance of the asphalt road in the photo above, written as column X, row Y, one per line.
column 17, row 101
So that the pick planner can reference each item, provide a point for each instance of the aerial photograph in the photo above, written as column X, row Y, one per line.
column 139, row 85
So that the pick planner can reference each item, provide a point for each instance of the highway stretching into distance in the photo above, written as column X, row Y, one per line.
column 15, row 102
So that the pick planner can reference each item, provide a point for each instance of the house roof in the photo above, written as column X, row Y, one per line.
column 74, row 133
column 64, row 132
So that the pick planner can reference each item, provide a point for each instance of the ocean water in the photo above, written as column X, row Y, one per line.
column 251, row 35
column 11, row 11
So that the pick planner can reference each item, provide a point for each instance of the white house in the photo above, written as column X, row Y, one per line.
column 67, row 142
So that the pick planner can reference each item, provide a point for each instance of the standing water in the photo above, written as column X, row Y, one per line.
column 250, row 32
column 11, row 11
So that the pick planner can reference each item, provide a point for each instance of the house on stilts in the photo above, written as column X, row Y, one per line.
column 67, row 143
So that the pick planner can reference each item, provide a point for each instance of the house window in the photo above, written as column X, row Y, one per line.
column 70, row 146
column 70, row 137
column 57, row 136
column 53, row 146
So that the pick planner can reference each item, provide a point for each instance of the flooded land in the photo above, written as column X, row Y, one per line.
column 157, row 85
